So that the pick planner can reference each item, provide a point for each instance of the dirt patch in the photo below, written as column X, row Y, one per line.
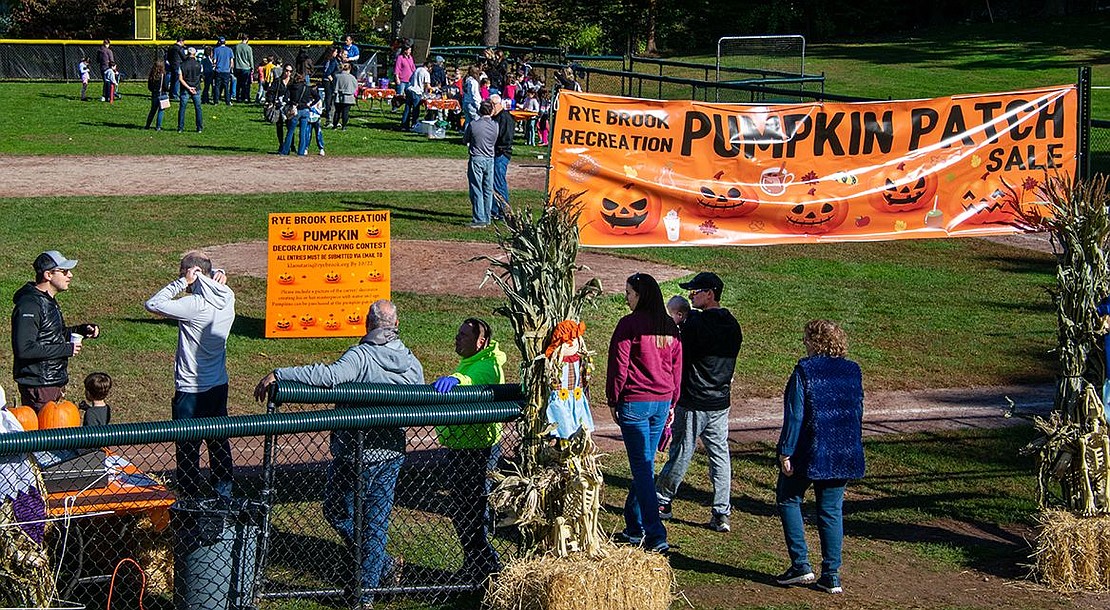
column 162, row 175
column 445, row 267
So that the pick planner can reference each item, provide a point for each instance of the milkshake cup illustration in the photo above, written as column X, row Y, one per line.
column 673, row 224
column 774, row 180
column 934, row 217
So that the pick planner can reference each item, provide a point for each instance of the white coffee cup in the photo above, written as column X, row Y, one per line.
column 76, row 338
column 673, row 225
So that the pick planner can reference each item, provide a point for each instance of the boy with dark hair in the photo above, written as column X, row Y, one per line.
column 96, row 410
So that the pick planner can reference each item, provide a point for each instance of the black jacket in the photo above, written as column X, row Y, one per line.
column 40, row 339
column 506, row 126
column 710, row 343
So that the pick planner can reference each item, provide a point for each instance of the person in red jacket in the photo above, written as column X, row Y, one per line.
column 642, row 386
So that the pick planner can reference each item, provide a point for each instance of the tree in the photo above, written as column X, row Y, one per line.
column 491, row 22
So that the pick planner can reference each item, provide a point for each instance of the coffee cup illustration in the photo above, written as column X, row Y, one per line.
column 774, row 180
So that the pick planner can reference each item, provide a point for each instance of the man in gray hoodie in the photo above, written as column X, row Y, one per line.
column 380, row 357
column 204, row 312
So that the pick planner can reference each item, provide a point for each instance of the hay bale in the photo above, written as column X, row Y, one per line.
column 628, row 578
column 1073, row 553
column 154, row 551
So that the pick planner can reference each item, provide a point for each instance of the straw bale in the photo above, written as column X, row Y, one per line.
column 627, row 578
column 154, row 552
column 1073, row 553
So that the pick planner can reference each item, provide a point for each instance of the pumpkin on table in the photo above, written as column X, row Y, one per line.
column 27, row 417
column 60, row 414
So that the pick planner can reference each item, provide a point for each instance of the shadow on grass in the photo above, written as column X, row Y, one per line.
column 131, row 126
column 681, row 561
column 244, row 326
column 242, row 149
column 406, row 213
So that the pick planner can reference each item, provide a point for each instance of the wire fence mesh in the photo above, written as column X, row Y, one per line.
column 310, row 516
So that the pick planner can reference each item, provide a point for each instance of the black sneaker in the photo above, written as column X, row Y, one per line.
column 719, row 523
column 830, row 583
column 796, row 576
column 665, row 511
column 623, row 538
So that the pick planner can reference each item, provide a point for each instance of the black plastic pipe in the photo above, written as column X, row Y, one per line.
column 379, row 394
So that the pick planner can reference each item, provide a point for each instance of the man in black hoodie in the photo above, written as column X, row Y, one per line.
column 42, row 344
column 711, row 339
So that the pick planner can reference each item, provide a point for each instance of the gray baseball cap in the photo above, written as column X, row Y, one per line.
column 52, row 259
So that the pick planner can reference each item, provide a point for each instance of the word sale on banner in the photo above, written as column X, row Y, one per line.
column 324, row 270
column 664, row 173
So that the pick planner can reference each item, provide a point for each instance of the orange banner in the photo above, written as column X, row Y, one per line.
column 671, row 173
column 325, row 269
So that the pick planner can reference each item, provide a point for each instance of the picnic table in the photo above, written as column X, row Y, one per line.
column 526, row 121
column 373, row 94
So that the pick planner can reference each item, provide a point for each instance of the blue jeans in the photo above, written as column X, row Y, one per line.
column 155, row 110
column 188, row 405
column 479, row 174
column 641, row 426
column 183, row 99
column 412, row 106
column 500, row 184
column 223, row 87
column 379, row 480
column 316, row 130
column 830, row 519
column 712, row 428
column 301, row 126
column 469, row 484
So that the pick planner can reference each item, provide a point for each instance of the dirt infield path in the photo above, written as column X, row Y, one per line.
column 163, row 175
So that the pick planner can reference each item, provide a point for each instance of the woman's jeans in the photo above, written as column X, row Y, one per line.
column 641, row 426
column 155, row 110
column 830, row 519
column 300, row 125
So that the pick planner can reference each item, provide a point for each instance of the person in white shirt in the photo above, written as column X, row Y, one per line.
column 420, row 86
column 204, row 307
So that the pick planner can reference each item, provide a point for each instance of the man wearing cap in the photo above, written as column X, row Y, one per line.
column 188, row 76
column 175, row 56
column 711, row 339
column 223, row 58
column 439, row 73
column 41, row 342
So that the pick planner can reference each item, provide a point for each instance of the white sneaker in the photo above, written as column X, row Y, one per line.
column 321, row 152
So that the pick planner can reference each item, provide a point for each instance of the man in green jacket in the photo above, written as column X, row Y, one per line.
column 473, row 450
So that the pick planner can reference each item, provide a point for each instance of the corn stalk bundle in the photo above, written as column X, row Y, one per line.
column 25, row 577
column 555, row 495
column 1073, row 448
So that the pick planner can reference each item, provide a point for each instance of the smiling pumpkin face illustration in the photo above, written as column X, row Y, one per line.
column 627, row 210
column 285, row 278
column 992, row 199
column 307, row 320
column 354, row 318
column 332, row 277
column 813, row 215
column 722, row 199
column 283, row 324
column 898, row 189
column 375, row 275
column 288, row 234
column 373, row 232
column 332, row 324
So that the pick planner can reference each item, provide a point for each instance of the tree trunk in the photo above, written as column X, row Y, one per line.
column 652, row 14
column 491, row 22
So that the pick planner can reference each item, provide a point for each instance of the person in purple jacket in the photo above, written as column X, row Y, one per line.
column 642, row 386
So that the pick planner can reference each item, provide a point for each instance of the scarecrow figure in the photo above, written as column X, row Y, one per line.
column 568, row 407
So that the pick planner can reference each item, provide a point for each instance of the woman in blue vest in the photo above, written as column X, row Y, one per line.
column 820, row 445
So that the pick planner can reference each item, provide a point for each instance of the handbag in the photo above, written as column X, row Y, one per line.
column 164, row 101
column 270, row 113
column 290, row 111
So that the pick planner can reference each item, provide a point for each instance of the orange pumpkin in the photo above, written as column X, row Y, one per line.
column 897, row 189
column 628, row 210
column 991, row 198
column 354, row 318
column 374, row 275
column 27, row 417
column 285, row 278
column 288, row 234
column 332, row 277
column 373, row 231
column 283, row 324
column 307, row 320
column 61, row 414
column 814, row 215
column 332, row 324
column 722, row 199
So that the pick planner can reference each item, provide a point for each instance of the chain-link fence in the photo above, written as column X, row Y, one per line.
column 1100, row 146
column 343, row 507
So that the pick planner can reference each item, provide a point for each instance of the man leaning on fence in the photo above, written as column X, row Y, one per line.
column 473, row 448
column 380, row 357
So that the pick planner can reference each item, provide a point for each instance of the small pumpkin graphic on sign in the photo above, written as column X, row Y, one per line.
column 628, row 210
column 813, row 215
column 307, row 320
column 991, row 199
column 374, row 275
column 332, row 277
column 900, row 190
column 283, row 324
column 722, row 199
column 285, row 278
column 288, row 234
column 373, row 232
column 354, row 318
column 332, row 324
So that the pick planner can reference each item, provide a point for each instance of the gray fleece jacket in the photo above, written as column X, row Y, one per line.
column 204, row 318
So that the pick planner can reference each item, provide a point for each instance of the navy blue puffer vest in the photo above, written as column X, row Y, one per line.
column 831, row 442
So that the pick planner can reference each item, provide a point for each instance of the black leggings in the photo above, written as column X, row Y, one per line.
column 342, row 114
column 282, row 125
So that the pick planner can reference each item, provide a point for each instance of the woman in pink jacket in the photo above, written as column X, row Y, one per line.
column 403, row 69
column 642, row 386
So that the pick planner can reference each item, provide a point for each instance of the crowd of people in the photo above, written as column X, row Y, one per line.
column 669, row 375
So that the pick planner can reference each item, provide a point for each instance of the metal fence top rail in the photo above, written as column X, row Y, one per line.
column 149, row 43
column 729, row 69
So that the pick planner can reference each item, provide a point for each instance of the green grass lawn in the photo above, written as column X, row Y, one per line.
column 933, row 313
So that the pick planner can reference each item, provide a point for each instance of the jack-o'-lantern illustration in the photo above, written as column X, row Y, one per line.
column 307, row 320
column 332, row 324
column 354, row 318
column 991, row 197
column 721, row 199
column 628, row 210
column 332, row 277
column 812, row 214
column 898, row 189
column 288, row 234
column 283, row 324
column 373, row 231
column 285, row 278
column 375, row 275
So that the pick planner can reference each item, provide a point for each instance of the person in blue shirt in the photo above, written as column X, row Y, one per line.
column 821, row 445
column 350, row 49
column 224, row 62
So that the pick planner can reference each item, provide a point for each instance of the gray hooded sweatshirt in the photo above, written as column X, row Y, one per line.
column 204, row 318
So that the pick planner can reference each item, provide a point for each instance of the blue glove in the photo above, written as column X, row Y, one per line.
column 444, row 385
